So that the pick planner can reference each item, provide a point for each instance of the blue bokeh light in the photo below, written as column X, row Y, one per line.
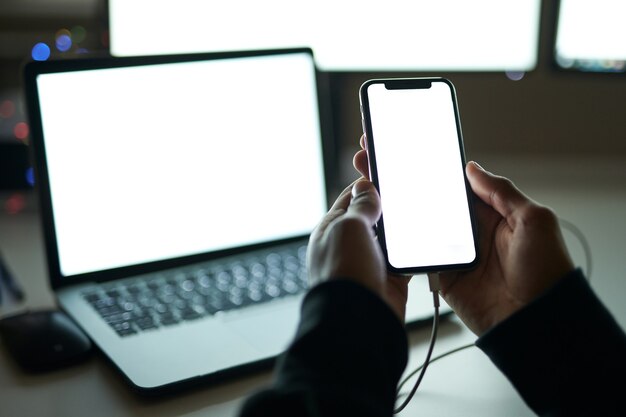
column 40, row 52
column 63, row 43
column 515, row 75
column 30, row 176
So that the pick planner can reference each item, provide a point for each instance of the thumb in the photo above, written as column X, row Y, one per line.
column 498, row 192
column 365, row 202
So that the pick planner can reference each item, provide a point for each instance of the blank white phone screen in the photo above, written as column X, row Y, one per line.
column 425, row 207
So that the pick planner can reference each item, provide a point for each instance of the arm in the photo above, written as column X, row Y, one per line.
column 350, row 348
column 346, row 359
column 564, row 352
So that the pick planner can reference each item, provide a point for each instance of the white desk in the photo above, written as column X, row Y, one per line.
column 590, row 193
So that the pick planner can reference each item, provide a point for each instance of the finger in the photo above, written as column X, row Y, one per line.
column 362, row 141
column 498, row 192
column 337, row 209
column 360, row 163
column 365, row 202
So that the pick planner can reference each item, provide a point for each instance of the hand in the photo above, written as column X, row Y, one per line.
column 522, row 253
column 343, row 246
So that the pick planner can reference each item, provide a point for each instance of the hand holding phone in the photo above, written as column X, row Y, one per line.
column 416, row 161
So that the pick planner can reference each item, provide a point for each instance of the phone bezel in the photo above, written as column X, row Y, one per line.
column 414, row 83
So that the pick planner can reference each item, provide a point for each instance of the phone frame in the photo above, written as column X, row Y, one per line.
column 414, row 83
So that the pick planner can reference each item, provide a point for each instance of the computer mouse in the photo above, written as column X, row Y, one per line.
column 44, row 340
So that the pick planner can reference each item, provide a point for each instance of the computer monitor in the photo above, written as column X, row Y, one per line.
column 350, row 35
column 590, row 36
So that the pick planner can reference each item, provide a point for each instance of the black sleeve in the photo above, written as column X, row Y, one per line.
column 347, row 357
column 564, row 353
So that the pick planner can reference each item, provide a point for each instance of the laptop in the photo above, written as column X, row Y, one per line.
column 177, row 194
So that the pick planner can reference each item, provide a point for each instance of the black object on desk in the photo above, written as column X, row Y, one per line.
column 8, row 280
column 44, row 340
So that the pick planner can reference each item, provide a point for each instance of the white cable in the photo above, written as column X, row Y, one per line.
column 433, row 282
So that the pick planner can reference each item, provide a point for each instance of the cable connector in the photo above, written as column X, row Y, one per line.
column 435, row 287
column 433, row 282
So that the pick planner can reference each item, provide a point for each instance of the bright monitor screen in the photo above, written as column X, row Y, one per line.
column 346, row 35
column 160, row 161
column 591, row 35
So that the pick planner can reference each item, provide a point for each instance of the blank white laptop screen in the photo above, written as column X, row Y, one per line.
column 489, row 35
column 156, row 162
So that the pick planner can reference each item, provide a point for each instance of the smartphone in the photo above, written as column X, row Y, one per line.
column 417, row 163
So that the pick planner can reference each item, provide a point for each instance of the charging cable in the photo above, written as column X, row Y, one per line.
column 584, row 243
column 433, row 283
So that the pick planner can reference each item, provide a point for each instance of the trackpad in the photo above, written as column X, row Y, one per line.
column 269, row 328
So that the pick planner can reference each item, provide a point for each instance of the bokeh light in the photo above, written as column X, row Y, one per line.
column 61, row 32
column 104, row 38
column 21, row 130
column 15, row 204
column 78, row 34
column 515, row 75
column 63, row 43
column 7, row 109
column 40, row 52
column 30, row 176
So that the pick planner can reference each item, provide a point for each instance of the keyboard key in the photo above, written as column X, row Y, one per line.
column 204, row 281
column 113, row 293
column 153, row 284
column 123, row 328
column 187, row 285
column 241, row 281
column 255, row 295
column 108, row 311
column 104, row 302
column 167, row 298
column 128, row 306
column 160, row 308
column 190, row 314
column 274, row 260
column 167, row 319
column 92, row 297
column 186, row 295
column 145, row 323
column 272, row 290
column 290, row 286
column 116, row 318
column 134, row 289
column 257, row 270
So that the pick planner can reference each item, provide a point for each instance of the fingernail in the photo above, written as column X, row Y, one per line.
column 478, row 166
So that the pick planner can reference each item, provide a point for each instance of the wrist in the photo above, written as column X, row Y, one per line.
column 515, row 306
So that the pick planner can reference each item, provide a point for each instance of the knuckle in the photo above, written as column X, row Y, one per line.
column 364, row 200
column 540, row 216
column 348, row 225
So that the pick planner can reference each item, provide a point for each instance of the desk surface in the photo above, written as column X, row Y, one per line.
column 588, row 192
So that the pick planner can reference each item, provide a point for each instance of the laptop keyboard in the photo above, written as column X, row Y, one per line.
column 184, row 294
